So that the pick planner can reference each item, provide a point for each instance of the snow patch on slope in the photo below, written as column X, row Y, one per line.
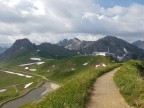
column 29, row 64
column 19, row 74
column 33, row 70
column 36, row 59
column 27, row 85
column 125, row 50
column 3, row 90
column 85, row 64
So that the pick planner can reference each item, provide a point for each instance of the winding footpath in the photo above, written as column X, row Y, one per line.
column 105, row 94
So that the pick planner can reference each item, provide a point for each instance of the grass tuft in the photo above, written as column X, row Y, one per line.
column 130, row 81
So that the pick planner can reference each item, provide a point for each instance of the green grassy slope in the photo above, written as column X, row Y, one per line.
column 131, row 83
column 65, row 69
column 75, row 84
column 14, row 63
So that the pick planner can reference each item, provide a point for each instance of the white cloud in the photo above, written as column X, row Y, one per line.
column 52, row 20
column 115, row 17
column 100, row 17
column 87, row 15
column 10, row 3
column 40, row 8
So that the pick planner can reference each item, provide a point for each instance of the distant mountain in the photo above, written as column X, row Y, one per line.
column 74, row 44
column 2, row 49
column 19, row 48
column 5, row 45
column 114, row 45
column 54, row 51
column 71, row 44
column 139, row 44
column 24, row 47
column 118, row 47
column 66, row 48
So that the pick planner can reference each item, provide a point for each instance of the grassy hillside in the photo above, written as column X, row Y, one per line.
column 13, row 64
column 65, row 69
column 75, row 84
column 131, row 83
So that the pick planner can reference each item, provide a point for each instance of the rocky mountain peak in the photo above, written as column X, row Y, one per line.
column 20, row 47
column 71, row 43
column 110, row 38
column 22, row 43
column 139, row 44
column 75, row 40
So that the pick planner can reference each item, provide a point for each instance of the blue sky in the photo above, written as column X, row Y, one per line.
column 125, row 3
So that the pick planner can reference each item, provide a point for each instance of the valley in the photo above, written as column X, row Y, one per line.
column 31, row 80
column 15, row 85
column 22, row 87
column 71, row 54
column 59, row 71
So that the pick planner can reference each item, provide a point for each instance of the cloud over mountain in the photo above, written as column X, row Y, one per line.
column 52, row 20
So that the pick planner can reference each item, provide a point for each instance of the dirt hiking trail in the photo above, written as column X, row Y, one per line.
column 105, row 94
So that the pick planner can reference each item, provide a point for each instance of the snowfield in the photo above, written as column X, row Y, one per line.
column 29, row 64
column 27, row 85
column 19, row 74
column 100, row 65
column 104, row 65
column 36, row 59
column 39, row 63
column 97, row 66
column 125, row 50
column 3, row 90
column 73, row 69
column 33, row 70
column 85, row 64
column 26, row 68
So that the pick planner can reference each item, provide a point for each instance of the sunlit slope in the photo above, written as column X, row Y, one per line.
column 76, row 76
column 64, row 69
column 130, row 81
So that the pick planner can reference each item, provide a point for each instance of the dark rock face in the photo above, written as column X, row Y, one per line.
column 19, row 48
column 74, row 44
column 109, row 44
column 54, row 51
column 25, row 43
column 24, row 47
column 66, row 48
column 116, row 46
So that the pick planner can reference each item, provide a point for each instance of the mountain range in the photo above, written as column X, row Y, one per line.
column 139, row 44
column 72, row 47
column 74, row 44
column 109, row 44
column 24, row 47
column 2, row 49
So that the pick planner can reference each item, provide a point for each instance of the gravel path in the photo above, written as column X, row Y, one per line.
column 105, row 94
